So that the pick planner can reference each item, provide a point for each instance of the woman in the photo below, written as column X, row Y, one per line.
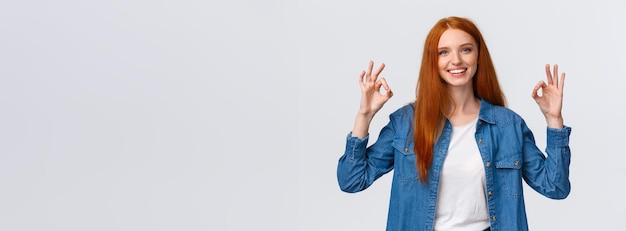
column 458, row 154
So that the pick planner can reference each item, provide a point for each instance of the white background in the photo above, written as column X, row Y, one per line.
column 231, row 115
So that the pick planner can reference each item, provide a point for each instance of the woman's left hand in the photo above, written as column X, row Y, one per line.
column 551, row 99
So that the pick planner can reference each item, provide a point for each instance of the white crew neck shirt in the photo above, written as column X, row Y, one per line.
column 461, row 203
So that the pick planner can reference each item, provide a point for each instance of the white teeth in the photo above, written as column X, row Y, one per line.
column 457, row 71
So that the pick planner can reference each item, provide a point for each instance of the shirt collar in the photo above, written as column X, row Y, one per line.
column 487, row 112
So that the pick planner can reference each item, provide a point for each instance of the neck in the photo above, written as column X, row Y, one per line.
column 465, row 108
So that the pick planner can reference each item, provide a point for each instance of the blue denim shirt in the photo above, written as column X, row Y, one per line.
column 508, row 151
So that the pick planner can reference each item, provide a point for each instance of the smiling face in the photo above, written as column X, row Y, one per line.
column 458, row 58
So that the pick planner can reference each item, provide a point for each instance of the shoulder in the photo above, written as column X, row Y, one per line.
column 401, row 120
column 403, row 116
column 505, row 112
column 498, row 114
column 405, row 111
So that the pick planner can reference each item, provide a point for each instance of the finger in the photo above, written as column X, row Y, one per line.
column 380, row 69
column 361, row 80
column 548, row 74
column 556, row 74
column 369, row 71
column 385, row 85
column 562, row 81
column 377, row 86
column 538, row 86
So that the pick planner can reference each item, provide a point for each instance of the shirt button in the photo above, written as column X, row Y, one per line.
column 480, row 141
column 516, row 163
column 488, row 164
column 406, row 149
column 490, row 193
column 493, row 218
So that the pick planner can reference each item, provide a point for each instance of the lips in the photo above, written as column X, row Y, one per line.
column 457, row 71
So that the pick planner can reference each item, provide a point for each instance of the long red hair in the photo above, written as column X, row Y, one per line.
column 433, row 101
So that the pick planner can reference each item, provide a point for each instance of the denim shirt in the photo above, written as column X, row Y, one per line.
column 508, row 151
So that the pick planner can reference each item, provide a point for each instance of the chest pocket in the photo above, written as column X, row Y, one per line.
column 404, row 161
column 509, row 174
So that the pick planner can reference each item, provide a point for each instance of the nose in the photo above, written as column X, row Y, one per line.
column 456, row 58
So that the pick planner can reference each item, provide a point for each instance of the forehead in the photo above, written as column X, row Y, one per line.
column 455, row 38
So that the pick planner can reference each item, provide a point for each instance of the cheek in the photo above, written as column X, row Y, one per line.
column 474, row 69
column 472, row 60
column 443, row 64
column 475, row 59
column 442, row 68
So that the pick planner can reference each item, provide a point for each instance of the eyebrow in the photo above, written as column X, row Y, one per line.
column 462, row 45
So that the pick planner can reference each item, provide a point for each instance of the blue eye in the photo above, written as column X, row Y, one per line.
column 443, row 52
column 466, row 50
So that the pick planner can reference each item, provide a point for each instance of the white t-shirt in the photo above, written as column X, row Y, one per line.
column 462, row 204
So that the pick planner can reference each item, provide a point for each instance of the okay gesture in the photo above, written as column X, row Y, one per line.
column 551, row 99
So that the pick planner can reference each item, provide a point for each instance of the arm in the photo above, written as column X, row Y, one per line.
column 360, row 166
column 549, row 176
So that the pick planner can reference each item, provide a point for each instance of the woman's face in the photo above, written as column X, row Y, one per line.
column 458, row 58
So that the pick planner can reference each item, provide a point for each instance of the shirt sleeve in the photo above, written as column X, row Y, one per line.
column 549, row 175
column 360, row 165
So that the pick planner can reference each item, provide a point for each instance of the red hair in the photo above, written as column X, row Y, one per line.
column 433, row 101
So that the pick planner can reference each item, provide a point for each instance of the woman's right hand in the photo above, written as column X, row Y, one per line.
column 372, row 99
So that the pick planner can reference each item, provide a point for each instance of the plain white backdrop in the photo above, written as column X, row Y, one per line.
column 231, row 115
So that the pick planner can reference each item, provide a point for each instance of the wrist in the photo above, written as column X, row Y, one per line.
column 555, row 122
column 365, row 116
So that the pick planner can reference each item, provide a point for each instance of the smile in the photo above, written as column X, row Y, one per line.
column 457, row 71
